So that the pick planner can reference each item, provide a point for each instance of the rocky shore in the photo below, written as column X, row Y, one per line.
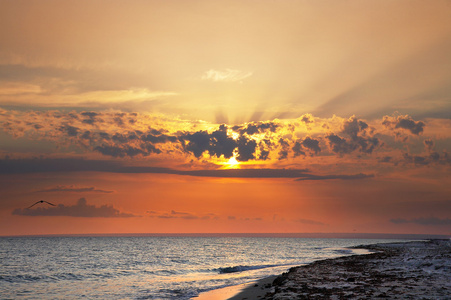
column 411, row 270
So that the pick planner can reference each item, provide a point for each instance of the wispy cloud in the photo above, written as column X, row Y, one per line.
column 80, row 209
column 431, row 221
column 181, row 215
column 74, row 189
column 229, row 75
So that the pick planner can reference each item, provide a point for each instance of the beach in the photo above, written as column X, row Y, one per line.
column 410, row 270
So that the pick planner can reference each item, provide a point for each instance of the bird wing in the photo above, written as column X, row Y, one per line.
column 33, row 204
column 49, row 203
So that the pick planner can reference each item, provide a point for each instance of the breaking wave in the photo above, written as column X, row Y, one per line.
column 236, row 269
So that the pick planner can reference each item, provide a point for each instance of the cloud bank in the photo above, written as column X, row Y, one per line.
column 431, row 221
column 80, row 209
column 74, row 189
column 307, row 138
column 21, row 166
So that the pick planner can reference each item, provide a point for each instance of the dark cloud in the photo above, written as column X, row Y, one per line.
column 429, row 144
column 81, row 209
column 307, row 119
column 221, row 143
column 360, row 138
column 21, row 166
column 216, row 143
column 427, row 159
column 70, row 130
column 264, row 147
column 411, row 125
column 156, row 138
column 256, row 128
column 74, row 189
column 283, row 153
column 89, row 114
column 308, row 143
column 404, row 122
column 196, row 143
column 246, row 149
column 431, row 221
column 343, row 177
column 124, row 150
column 353, row 126
column 340, row 145
column 385, row 159
column 298, row 149
column 90, row 117
column 360, row 134
column 311, row 144
column 131, row 143
column 92, row 131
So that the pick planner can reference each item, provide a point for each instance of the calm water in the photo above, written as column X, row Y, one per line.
column 149, row 267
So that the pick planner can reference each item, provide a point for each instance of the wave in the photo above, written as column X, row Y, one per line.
column 236, row 269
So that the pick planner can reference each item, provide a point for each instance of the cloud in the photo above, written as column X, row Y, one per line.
column 74, row 189
column 361, row 137
column 340, row 145
column 256, row 128
column 342, row 177
column 21, row 166
column 307, row 144
column 431, row 221
column 137, row 136
column 307, row 119
column 404, row 122
column 246, row 149
column 81, row 209
column 216, row 143
column 427, row 159
column 219, row 143
column 181, row 215
column 229, row 75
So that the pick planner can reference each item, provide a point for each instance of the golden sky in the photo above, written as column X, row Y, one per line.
column 225, row 116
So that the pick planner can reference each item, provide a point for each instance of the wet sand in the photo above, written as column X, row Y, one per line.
column 253, row 290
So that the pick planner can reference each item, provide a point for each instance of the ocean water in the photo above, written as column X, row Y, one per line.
column 150, row 267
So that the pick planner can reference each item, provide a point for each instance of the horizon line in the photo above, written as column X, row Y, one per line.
column 344, row 235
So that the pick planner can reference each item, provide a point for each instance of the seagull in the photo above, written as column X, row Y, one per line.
column 41, row 201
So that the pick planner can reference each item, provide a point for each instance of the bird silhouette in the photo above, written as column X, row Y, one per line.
column 41, row 201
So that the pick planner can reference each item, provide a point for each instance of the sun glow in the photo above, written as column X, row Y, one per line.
column 232, row 163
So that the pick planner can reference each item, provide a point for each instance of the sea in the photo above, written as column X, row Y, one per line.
column 151, row 267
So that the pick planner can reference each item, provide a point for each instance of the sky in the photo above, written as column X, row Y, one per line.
column 225, row 116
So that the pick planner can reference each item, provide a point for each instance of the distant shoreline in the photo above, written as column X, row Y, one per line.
column 269, row 235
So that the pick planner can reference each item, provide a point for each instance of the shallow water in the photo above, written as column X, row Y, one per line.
column 150, row 267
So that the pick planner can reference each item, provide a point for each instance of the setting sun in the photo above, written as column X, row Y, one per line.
column 232, row 163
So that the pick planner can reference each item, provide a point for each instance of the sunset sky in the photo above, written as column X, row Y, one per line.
column 225, row 116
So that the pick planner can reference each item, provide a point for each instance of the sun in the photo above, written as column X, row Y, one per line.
column 232, row 163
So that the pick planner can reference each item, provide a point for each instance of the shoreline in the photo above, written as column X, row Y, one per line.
column 418, row 269
column 251, row 290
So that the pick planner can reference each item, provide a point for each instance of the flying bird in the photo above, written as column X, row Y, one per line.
column 41, row 201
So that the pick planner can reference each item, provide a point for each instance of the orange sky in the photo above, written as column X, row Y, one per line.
column 225, row 116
